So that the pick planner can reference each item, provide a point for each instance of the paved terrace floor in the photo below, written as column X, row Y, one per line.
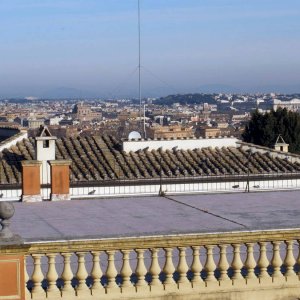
column 148, row 216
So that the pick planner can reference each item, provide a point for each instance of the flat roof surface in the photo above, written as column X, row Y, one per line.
column 148, row 216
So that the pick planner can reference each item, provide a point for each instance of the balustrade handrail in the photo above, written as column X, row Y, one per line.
column 147, row 242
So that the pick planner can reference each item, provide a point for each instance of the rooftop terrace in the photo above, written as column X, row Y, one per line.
column 152, row 216
column 223, row 246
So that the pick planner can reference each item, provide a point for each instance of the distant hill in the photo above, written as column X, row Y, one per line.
column 186, row 99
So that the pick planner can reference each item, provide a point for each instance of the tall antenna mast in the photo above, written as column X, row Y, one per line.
column 139, row 67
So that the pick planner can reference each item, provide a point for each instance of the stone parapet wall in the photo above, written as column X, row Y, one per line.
column 239, row 265
column 180, row 144
column 152, row 187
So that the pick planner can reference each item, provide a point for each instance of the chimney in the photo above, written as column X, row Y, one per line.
column 60, row 180
column 44, row 170
column 45, row 151
column 281, row 145
column 31, row 182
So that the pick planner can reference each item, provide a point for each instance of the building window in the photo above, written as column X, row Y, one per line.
column 46, row 144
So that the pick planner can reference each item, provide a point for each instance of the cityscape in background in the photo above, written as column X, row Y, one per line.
column 173, row 116
column 157, row 153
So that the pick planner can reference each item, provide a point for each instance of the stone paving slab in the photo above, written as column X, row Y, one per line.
column 148, row 216
column 256, row 211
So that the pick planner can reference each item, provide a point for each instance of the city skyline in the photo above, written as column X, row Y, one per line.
column 89, row 48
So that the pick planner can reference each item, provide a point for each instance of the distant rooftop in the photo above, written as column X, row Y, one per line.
column 102, row 158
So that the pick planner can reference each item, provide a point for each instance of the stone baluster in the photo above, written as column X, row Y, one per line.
column 196, row 267
column 111, row 271
column 223, row 264
column 67, row 274
column 154, row 268
column 210, row 265
column 126, row 270
column 250, row 262
column 298, row 258
column 276, row 261
column 81, row 274
column 237, row 263
column 141, row 270
column 182, row 267
column 96, row 272
column 263, row 261
column 52, row 275
column 289, row 260
column 26, row 277
column 37, row 275
column 169, row 266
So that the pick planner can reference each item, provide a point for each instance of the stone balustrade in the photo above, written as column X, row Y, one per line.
column 246, row 265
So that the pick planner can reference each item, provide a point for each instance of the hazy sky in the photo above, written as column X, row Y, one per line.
column 187, row 46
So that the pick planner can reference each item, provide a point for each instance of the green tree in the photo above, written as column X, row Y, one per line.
column 263, row 129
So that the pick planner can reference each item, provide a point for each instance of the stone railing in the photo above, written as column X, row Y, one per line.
column 239, row 265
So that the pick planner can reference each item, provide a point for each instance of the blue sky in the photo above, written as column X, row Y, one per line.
column 187, row 46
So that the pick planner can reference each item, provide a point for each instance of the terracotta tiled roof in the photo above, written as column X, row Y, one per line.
column 101, row 158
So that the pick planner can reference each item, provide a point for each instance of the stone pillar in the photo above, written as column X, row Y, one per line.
column 12, row 284
column 60, row 179
column 12, row 281
column 31, row 184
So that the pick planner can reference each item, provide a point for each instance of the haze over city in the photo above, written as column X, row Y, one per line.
column 90, row 48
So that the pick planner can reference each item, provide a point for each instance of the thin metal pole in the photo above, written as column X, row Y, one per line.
column 160, row 193
column 139, row 67
column 248, row 174
column 145, row 121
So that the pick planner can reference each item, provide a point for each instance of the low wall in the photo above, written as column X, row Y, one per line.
column 184, row 188
column 119, row 188
column 184, row 144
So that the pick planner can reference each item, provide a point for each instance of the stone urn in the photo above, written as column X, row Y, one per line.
column 7, row 210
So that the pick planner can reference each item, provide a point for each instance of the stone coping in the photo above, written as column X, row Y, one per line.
column 30, row 162
column 45, row 138
column 60, row 162
column 148, row 242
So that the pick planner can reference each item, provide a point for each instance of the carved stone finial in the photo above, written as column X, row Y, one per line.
column 7, row 210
